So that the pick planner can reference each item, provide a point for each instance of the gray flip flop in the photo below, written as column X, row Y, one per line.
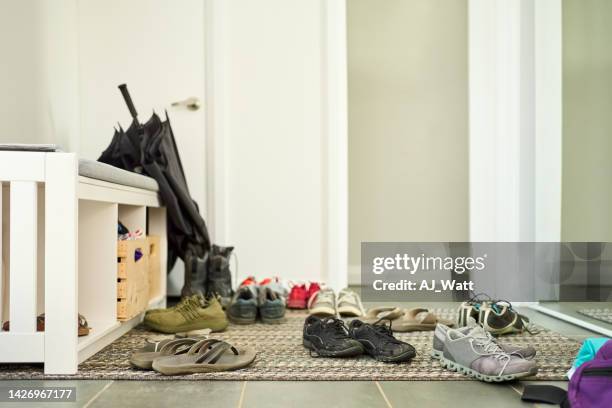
column 205, row 356
column 144, row 357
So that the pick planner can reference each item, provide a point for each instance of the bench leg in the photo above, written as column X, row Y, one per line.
column 61, row 263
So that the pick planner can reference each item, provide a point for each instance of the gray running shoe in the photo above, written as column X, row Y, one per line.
column 271, row 304
column 527, row 352
column 243, row 306
column 482, row 358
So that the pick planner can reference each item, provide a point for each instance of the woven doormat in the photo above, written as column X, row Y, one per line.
column 604, row 315
column 282, row 357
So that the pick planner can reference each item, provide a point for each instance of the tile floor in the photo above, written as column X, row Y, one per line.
column 301, row 394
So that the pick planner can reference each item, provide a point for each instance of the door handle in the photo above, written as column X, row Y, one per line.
column 191, row 103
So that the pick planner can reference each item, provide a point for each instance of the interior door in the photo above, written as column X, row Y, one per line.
column 157, row 48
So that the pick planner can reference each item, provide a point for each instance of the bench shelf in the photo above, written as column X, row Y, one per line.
column 62, row 258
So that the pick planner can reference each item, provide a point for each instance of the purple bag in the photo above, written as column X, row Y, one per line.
column 591, row 384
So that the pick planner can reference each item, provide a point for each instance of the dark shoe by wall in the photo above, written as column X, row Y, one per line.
column 219, row 279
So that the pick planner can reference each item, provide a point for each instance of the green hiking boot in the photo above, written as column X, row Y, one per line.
column 193, row 313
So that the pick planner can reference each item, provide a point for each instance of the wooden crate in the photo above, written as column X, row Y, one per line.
column 155, row 275
column 132, row 278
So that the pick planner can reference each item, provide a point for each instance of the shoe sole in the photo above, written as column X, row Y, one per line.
column 275, row 320
column 241, row 320
column 409, row 355
column 437, row 354
column 453, row 366
column 296, row 304
column 349, row 352
column 214, row 327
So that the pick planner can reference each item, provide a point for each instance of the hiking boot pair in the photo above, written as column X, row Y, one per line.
column 191, row 313
column 251, row 300
column 473, row 351
column 330, row 337
column 219, row 276
column 495, row 316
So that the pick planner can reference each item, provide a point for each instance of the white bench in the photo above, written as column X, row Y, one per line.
column 59, row 254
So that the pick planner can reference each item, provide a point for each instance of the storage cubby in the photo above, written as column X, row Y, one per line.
column 5, row 192
column 156, row 228
column 133, row 217
column 154, row 264
column 59, row 235
column 4, row 251
column 132, row 278
column 98, row 264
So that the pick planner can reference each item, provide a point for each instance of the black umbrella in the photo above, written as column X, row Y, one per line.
column 150, row 149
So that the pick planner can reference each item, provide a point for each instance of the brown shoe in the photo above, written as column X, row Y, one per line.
column 40, row 325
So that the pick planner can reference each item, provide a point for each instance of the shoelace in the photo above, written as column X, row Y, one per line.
column 529, row 327
column 385, row 331
column 189, row 307
column 337, row 326
column 491, row 349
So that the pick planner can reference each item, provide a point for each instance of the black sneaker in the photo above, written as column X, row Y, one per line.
column 329, row 337
column 378, row 341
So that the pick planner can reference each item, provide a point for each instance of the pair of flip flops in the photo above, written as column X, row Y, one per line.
column 406, row 320
column 191, row 355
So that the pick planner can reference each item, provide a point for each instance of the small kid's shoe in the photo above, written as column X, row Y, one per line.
column 313, row 288
column 298, row 297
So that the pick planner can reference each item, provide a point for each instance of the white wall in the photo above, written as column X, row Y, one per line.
column 157, row 48
column 408, row 122
column 587, row 122
column 68, row 60
column 38, row 72
column 275, row 184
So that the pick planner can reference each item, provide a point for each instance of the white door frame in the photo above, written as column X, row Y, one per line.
column 515, row 120
column 334, row 119
column 335, row 122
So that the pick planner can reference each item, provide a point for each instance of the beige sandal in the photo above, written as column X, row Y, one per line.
column 152, row 350
column 418, row 319
column 383, row 312
column 205, row 356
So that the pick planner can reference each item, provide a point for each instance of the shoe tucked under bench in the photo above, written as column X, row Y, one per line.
column 59, row 254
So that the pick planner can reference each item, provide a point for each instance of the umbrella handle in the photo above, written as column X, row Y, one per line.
column 128, row 100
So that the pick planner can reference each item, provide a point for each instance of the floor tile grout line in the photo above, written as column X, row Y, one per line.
column 383, row 394
column 517, row 391
column 242, row 391
column 97, row 394
column 521, row 394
